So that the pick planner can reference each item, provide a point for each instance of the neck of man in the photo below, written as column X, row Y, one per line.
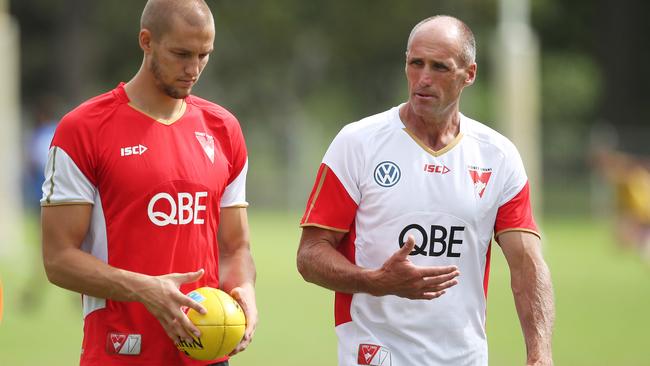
column 436, row 131
column 148, row 97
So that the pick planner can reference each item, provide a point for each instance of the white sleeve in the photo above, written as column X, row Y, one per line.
column 235, row 193
column 345, row 158
column 64, row 182
column 515, row 178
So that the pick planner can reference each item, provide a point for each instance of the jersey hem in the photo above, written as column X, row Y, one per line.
column 307, row 224
column 496, row 235
column 236, row 205
column 66, row 203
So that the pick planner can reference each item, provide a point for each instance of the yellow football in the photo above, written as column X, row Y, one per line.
column 222, row 327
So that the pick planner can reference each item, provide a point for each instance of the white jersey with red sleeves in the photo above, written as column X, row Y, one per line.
column 156, row 192
column 378, row 184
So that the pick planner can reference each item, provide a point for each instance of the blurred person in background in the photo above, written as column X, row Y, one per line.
column 37, row 147
column 402, row 214
column 630, row 176
column 144, row 200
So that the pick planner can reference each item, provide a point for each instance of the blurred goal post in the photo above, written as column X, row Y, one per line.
column 11, row 214
column 517, row 71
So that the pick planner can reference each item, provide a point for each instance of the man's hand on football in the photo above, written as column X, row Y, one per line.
column 245, row 296
column 162, row 297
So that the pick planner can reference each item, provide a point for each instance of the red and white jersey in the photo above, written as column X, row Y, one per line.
column 156, row 192
column 378, row 184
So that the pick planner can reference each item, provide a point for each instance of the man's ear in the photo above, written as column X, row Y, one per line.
column 145, row 39
column 406, row 60
column 471, row 74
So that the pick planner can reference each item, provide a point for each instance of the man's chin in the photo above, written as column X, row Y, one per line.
column 177, row 93
column 422, row 109
column 183, row 94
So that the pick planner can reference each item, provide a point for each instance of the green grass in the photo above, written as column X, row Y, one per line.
column 602, row 298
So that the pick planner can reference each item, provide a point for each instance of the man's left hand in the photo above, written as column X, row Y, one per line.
column 245, row 296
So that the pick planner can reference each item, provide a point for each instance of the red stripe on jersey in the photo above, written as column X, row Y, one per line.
column 343, row 301
column 516, row 214
column 486, row 276
column 329, row 205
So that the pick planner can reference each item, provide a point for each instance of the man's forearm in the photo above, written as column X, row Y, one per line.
column 533, row 293
column 237, row 269
column 321, row 264
column 79, row 271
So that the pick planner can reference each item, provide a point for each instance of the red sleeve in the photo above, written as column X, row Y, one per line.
column 516, row 215
column 239, row 152
column 329, row 205
column 75, row 136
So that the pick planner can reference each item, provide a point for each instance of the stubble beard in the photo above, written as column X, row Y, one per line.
column 168, row 89
column 424, row 110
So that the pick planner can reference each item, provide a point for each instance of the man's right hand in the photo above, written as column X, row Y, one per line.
column 162, row 297
column 399, row 276
column 66, row 265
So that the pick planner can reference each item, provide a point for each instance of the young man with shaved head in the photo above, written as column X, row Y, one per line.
column 402, row 215
column 144, row 200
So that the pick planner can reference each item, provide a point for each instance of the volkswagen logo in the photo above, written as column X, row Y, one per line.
column 387, row 174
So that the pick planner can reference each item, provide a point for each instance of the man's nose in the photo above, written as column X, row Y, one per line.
column 193, row 68
column 426, row 78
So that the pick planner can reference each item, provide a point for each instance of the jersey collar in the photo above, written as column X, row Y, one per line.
column 421, row 143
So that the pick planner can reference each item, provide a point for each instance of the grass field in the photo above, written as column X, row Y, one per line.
column 602, row 298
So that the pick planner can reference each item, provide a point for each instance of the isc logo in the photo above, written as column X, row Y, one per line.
column 183, row 209
column 133, row 150
column 439, row 240
column 432, row 168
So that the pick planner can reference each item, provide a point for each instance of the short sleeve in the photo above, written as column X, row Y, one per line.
column 516, row 215
column 329, row 205
column 64, row 182
column 345, row 158
column 515, row 211
column 335, row 196
column 70, row 172
column 235, row 193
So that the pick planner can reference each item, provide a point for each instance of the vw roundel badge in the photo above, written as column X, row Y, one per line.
column 387, row 174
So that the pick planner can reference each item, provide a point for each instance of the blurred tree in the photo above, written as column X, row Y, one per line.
column 620, row 45
column 295, row 71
